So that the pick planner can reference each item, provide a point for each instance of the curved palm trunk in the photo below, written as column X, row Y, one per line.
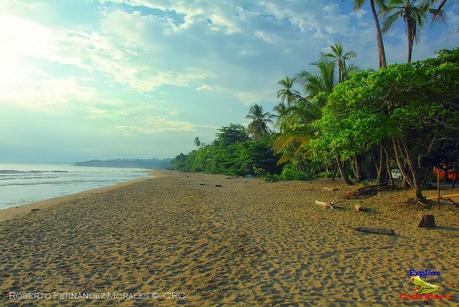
column 382, row 53
column 343, row 174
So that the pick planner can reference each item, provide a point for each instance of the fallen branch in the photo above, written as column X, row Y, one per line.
column 328, row 204
column 325, row 204
column 381, row 231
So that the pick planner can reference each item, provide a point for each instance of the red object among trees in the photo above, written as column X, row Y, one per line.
column 450, row 175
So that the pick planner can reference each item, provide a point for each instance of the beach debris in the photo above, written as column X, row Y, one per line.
column 426, row 221
column 202, row 184
column 371, row 190
column 330, row 189
column 34, row 210
column 324, row 204
column 365, row 192
column 218, row 185
column 359, row 208
column 328, row 204
column 381, row 231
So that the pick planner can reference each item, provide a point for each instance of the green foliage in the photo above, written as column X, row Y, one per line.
column 292, row 173
column 231, row 134
column 254, row 157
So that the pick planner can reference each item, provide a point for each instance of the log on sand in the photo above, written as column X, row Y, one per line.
column 381, row 231
column 324, row 204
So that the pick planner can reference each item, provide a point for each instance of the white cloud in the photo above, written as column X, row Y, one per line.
column 204, row 88
column 159, row 125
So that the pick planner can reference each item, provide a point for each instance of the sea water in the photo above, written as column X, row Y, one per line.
column 25, row 183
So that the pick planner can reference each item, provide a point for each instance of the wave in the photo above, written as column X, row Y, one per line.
column 27, row 177
column 68, row 182
column 12, row 171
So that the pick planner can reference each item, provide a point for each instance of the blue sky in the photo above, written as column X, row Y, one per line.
column 141, row 78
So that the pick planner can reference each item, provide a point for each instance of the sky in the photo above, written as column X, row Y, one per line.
column 88, row 79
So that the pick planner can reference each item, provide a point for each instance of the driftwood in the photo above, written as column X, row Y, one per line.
column 325, row 204
column 426, row 221
column 330, row 189
column 34, row 210
column 328, row 204
column 359, row 208
column 381, row 231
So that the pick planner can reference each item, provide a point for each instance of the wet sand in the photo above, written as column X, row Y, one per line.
column 180, row 239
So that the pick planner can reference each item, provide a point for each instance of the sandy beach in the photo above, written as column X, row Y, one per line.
column 211, row 239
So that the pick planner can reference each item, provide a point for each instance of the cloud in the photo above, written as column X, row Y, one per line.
column 205, row 88
column 160, row 125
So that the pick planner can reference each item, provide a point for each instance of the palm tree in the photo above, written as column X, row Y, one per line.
column 414, row 16
column 281, row 112
column 382, row 53
column 287, row 94
column 322, row 82
column 340, row 57
column 197, row 142
column 296, row 131
column 260, row 120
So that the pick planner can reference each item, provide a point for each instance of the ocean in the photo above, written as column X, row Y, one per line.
column 25, row 183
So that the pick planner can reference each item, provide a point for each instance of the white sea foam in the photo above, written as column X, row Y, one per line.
column 24, row 183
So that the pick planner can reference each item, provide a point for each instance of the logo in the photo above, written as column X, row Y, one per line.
column 422, row 286
column 424, row 273
column 424, row 291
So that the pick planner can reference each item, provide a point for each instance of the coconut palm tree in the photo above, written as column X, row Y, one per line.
column 296, row 131
column 287, row 94
column 340, row 57
column 197, row 142
column 379, row 38
column 260, row 120
column 321, row 82
column 413, row 14
column 281, row 112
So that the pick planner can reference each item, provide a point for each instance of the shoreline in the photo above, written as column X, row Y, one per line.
column 22, row 209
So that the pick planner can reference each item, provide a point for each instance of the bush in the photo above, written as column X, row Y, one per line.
column 290, row 173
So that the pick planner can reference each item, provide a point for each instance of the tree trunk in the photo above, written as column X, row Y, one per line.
column 382, row 53
column 358, row 168
column 414, row 174
column 404, row 183
column 400, row 163
column 335, row 170
column 381, row 178
column 389, row 171
column 410, row 42
column 342, row 172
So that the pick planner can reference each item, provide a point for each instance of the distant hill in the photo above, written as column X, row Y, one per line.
column 128, row 163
